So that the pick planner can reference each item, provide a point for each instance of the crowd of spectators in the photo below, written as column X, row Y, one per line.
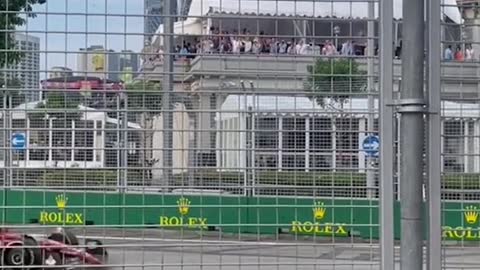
column 460, row 54
column 244, row 42
column 225, row 42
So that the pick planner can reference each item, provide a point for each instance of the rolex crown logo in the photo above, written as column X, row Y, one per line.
column 183, row 206
column 319, row 211
column 61, row 201
column 471, row 214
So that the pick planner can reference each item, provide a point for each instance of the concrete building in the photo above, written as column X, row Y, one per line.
column 268, row 73
column 28, row 69
column 96, row 61
column 215, row 140
column 471, row 33
column 89, row 141
column 286, row 133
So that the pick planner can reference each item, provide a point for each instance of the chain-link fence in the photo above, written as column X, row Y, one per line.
column 208, row 134
column 459, row 140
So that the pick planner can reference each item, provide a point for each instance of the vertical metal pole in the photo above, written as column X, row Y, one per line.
column 119, row 144
column 6, row 141
column 386, row 134
column 434, row 136
column 7, row 138
column 412, row 136
column 246, row 113
column 125, row 144
column 167, row 87
column 370, row 86
column 252, row 141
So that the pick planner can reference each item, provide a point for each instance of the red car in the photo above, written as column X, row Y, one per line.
column 61, row 247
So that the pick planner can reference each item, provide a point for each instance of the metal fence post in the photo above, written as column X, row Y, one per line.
column 412, row 135
column 167, row 99
column 434, row 137
column 370, row 85
column 7, row 119
column 386, row 133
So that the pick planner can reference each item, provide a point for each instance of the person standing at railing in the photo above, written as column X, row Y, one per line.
column 448, row 55
column 329, row 49
column 459, row 54
column 347, row 48
column 469, row 53
column 282, row 48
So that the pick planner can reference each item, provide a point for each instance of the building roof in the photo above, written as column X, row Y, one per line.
column 81, row 82
column 317, row 8
column 91, row 114
column 234, row 105
column 288, row 8
column 80, row 78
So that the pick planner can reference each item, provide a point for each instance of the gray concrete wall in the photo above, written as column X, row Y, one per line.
column 287, row 74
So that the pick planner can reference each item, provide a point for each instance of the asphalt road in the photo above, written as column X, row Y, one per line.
column 167, row 250
column 180, row 255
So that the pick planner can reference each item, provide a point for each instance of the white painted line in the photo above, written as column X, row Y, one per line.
column 201, row 241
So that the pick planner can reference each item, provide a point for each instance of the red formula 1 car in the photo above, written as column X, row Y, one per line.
column 60, row 248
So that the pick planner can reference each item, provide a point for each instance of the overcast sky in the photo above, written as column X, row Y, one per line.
column 114, row 24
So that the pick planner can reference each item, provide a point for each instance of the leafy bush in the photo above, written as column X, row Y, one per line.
column 85, row 179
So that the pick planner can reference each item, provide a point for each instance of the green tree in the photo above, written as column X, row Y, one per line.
column 334, row 79
column 143, row 94
column 13, row 13
column 59, row 105
column 10, row 87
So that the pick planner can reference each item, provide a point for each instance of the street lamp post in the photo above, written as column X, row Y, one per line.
column 7, row 138
column 336, row 31
column 371, row 118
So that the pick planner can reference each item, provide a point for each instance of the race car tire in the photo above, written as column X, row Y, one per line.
column 19, row 256
column 55, row 256
column 31, row 244
column 95, row 247
column 65, row 236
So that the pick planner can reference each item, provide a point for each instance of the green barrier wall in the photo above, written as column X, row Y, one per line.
column 231, row 214
column 43, row 207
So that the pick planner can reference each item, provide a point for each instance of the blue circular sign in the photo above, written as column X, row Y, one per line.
column 18, row 140
column 371, row 145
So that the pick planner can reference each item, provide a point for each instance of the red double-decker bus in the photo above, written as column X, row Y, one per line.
column 83, row 83
column 93, row 92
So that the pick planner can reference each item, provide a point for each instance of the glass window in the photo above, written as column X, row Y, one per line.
column 320, row 135
column 293, row 135
column 293, row 162
column 38, row 139
column 84, row 134
column 320, row 162
column 266, row 133
column 453, row 145
column 62, row 140
column 346, row 136
column 266, row 160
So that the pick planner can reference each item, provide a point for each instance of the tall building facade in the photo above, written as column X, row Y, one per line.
column 153, row 17
column 97, row 61
column 154, row 14
column 27, row 70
